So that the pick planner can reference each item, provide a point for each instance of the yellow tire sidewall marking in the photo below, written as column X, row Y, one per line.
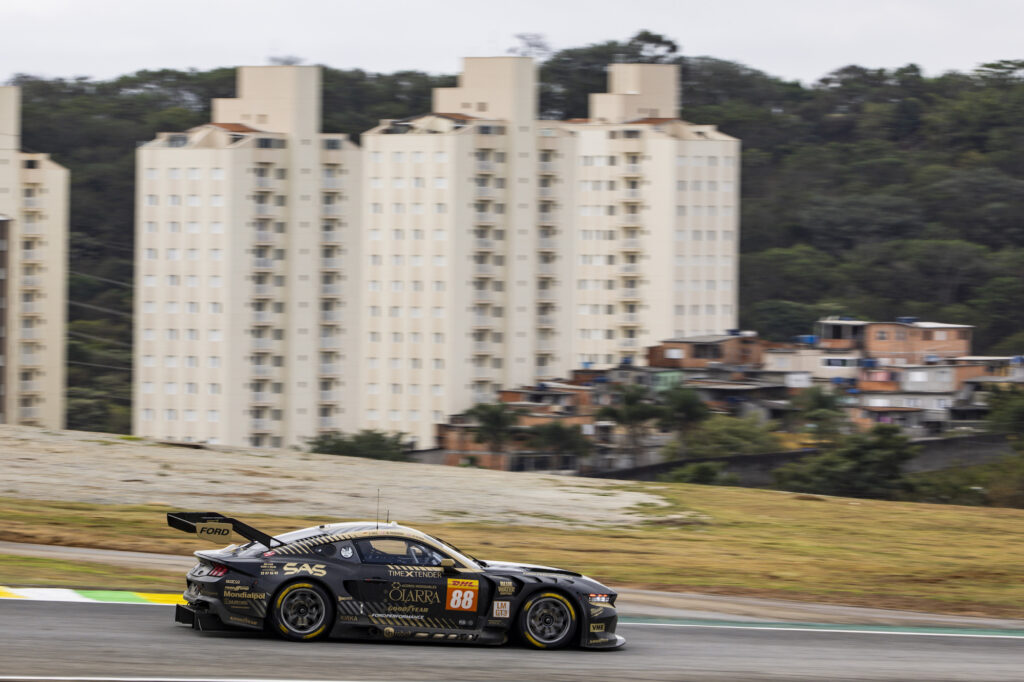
column 526, row 610
column 280, row 598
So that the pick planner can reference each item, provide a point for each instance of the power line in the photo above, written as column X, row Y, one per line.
column 93, row 364
column 96, row 307
column 101, row 279
column 99, row 338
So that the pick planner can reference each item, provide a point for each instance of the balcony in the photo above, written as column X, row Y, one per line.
column 545, row 345
column 545, row 192
column 482, row 191
column 484, row 373
column 628, row 343
column 262, row 290
column 482, row 346
column 630, row 194
column 264, row 237
column 330, row 315
column 264, row 182
column 630, row 244
column 28, row 386
column 31, row 254
column 546, row 243
column 31, row 359
column 30, row 307
column 484, row 217
column 262, row 316
column 261, row 370
column 485, row 166
column 546, row 269
column 330, row 342
column 260, row 397
column 263, row 263
column 629, row 318
column 328, row 396
column 262, row 344
column 330, row 289
column 264, row 209
column 482, row 321
column 328, row 369
column 332, row 237
column 29, row 333
column 629, row 220
column 483, row 268
column 629, row 293
column 260, row 425
column 28, row 412
column 328, row 423
column 548, row 295
column 545, row 321
column 482, row 295
column 32, row 228
column 31, row 202
column 631, row 169
column 31, row 281
column 547, row 216
column 546, row 167
column 331, row 183
column 330, row 263
column 629, row 268
column 484, row 244
column 332, row 209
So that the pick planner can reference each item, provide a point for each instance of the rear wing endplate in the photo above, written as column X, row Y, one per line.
column 215, row 526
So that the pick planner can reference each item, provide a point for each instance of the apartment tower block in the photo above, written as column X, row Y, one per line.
column 33, row 277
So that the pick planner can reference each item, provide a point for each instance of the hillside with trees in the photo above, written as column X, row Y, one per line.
column 872, row 192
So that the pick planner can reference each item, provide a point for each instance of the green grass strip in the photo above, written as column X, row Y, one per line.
column 113, row 596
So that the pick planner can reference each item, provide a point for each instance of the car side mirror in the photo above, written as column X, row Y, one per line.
column 448, row 565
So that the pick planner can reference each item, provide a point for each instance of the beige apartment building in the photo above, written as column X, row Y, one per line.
column 499, row 249
column 290, row 283
column 240, row 231
column 33, row 276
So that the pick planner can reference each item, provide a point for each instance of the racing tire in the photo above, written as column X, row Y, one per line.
column 301, row 612
column 548, row 620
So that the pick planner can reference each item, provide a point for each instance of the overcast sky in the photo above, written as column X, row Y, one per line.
column 795, row 39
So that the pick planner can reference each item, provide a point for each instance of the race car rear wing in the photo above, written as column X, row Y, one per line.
column 215, row 526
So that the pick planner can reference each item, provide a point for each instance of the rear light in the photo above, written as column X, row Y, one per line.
column 218, row 570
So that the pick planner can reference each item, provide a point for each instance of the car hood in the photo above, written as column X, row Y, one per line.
column 526, row 568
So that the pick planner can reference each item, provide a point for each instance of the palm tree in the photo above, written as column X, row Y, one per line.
column 682, row 411
column 494, row 422
column 554, row 437
column 633, row 410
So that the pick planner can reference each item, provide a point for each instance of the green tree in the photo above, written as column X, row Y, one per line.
column 862, row 465
column 633, row 410
column 494, row 424
column 722, row 436
column 368, row 443
column 557, row 438
column 704, row 473
column 820, row 412
column 682, row 411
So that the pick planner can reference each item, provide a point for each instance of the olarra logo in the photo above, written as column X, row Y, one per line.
column 417, row 595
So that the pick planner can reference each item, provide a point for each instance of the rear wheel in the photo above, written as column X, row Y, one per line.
column 548, row 621
column 301, row 612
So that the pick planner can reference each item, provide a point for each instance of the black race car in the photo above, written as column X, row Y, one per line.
column 366, row 580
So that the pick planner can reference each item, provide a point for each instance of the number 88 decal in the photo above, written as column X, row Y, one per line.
column 461, row 595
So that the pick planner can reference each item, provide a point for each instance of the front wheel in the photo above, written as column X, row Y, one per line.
column 548, row 621
column 301, row 612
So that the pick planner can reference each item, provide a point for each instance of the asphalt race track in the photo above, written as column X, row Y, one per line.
column 81, row 640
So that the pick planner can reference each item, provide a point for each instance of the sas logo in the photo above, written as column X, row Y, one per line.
column 294, row 568
column 213, row 530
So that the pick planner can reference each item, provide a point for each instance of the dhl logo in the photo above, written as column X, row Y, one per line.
column 457, row 582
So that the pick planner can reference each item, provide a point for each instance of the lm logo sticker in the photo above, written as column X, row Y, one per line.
column 462, row 595
column 293, row 568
